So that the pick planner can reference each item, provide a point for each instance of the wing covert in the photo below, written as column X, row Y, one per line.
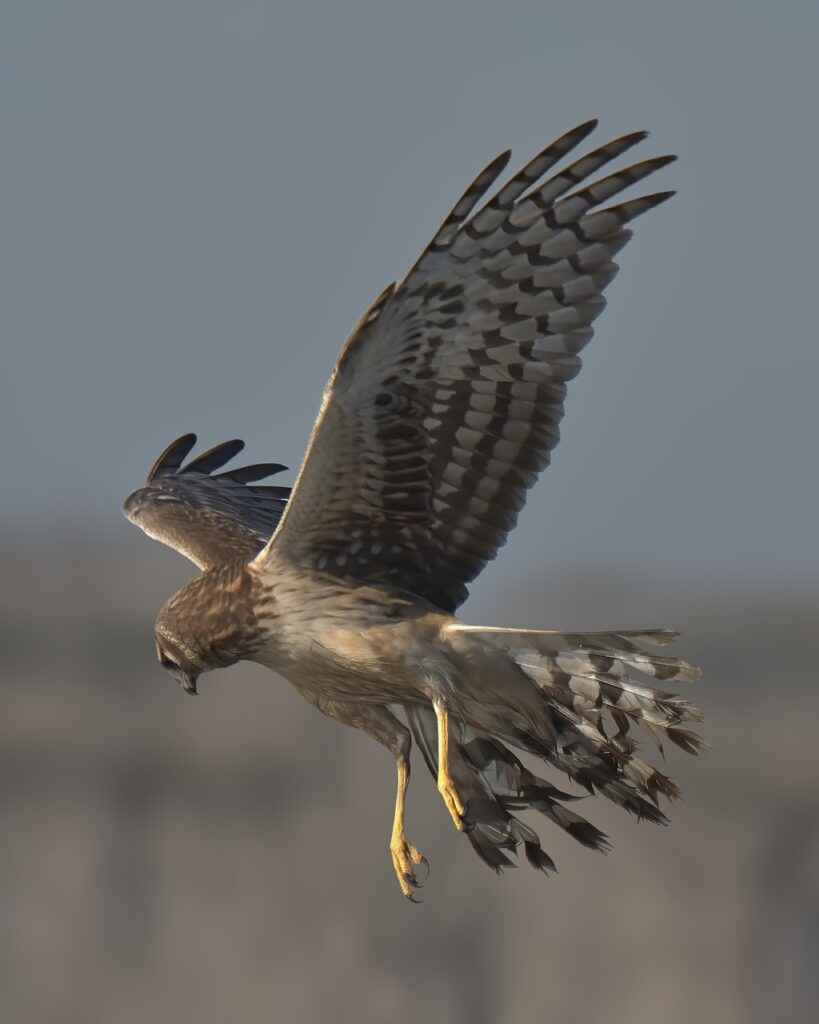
column 446, row 401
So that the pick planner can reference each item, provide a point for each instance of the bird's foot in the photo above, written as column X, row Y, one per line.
column 404, row 856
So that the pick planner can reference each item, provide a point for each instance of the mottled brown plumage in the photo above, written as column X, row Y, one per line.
column 442, row 409
column 212, row 622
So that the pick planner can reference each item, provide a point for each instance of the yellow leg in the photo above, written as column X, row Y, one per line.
column 404, row 854
column 446, row 784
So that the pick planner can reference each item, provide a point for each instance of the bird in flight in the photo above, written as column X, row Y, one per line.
column 442, row 409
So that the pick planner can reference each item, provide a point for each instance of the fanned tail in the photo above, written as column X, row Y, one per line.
column 590, row 701
column 589, row 675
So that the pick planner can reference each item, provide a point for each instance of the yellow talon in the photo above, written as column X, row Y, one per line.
column 404, row 854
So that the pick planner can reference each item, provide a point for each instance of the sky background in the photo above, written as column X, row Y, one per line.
column 199, row 200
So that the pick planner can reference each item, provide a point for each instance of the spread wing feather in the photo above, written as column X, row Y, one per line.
column 446, row 401
column 210, row 519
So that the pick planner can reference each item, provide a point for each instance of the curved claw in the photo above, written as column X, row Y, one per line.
column 404, row 855
column 423, row 862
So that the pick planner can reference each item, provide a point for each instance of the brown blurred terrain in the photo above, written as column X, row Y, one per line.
column 225, row 859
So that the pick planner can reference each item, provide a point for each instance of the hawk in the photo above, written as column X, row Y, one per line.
column 442, row 409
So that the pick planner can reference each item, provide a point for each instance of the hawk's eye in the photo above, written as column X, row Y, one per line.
column 168, row 663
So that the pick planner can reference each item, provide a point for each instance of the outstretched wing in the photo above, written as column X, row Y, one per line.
column 210, row 519
column 445, row 402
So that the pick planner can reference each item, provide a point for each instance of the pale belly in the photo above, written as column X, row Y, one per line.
column 353, row 650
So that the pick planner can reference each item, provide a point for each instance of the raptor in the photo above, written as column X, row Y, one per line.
column 442, row 409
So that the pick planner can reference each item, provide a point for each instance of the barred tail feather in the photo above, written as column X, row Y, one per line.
column 494, row 783
column 589, row 674
column 582, row 727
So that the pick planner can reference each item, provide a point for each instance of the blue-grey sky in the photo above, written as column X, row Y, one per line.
column 199, row 199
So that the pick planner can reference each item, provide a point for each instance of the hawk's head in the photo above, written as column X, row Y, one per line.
column 209, row 623
column 176, row 656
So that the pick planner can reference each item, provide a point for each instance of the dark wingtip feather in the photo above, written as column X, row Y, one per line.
column 570, row 139
column 660, row 197
column 248, row 474
column 586, row 127
column 215, row 458
column 497, row 165
column 173, row 457
column 664, row 161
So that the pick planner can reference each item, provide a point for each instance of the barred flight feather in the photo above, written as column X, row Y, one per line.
column 446, row 402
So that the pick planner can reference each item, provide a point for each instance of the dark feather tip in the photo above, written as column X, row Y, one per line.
column 538, row 858
column 215, row 458
column 173, row 457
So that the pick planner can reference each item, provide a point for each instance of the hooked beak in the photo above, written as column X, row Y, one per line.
column 188, row 683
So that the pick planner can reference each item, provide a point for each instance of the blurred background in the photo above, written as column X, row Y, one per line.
column 198, row 201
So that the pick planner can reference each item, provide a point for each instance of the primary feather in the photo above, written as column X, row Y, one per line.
column 446, row 401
